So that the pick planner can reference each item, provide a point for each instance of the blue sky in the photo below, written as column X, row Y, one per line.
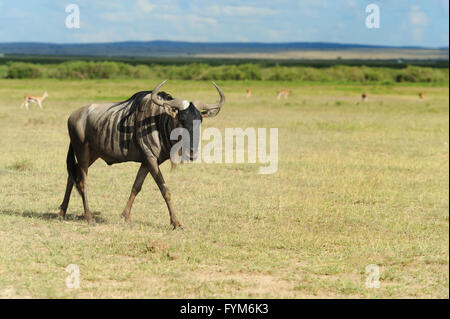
column 402, row 22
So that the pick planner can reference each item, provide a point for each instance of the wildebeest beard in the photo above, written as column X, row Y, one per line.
column 190, row 119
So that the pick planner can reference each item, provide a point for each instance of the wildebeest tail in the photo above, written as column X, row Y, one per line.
column 71, row 163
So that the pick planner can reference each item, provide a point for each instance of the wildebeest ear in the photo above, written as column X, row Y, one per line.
column 172, row 111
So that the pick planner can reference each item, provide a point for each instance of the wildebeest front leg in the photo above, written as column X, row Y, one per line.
column 153, row 167
column 140, row 178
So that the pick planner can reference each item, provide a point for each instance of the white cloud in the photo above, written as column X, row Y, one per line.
column 145, row 6
column 198, row 19
column 417, row 17
column 127, row 15
column 186, row 19
column 351, row 3
column 242, row 11
column 118, row 16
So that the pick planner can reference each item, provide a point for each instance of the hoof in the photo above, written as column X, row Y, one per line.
column 179, row 227
column 129, row 224
column 92, row 223
column 126, row 220
column 125, row 216
column 61, row 214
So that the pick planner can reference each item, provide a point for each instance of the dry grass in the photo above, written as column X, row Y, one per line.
column 351, row 54
column 358, row 184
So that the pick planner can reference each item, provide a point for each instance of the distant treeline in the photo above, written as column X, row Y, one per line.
column 199, row 71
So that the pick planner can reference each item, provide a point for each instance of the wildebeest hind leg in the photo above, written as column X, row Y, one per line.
column 63, row 207
column 140, row 178
column 84, row 159
column 65, row 203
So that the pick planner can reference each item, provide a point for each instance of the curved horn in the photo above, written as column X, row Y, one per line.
column 154, row 93
column 210, row 110
column 177, row 103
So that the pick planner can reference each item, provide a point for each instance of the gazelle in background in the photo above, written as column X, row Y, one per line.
column 34, row 99
column 421, row 96
column 283, row 93
column 249, row 93
column 364, row 97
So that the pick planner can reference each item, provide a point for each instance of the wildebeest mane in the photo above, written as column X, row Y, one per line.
column 126, row 120
column 136, row 99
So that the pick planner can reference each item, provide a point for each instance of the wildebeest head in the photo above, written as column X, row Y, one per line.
column 189, row 115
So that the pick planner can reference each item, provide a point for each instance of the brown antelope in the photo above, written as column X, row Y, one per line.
column 34, row 99
column 283, row 93
column 249, row 93
column 421, row 96
column 364, row 97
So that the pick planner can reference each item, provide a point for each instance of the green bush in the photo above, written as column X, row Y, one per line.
column 421, row 74
column 242, row 72
column 251, row 71
column 21, row 70
column 3, row 71
column 91, row 70
column 284, row 73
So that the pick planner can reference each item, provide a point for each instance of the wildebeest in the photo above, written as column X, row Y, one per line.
column 136, row 130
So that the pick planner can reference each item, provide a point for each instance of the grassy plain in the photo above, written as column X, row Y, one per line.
column 357, row 184
column 361, row 54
